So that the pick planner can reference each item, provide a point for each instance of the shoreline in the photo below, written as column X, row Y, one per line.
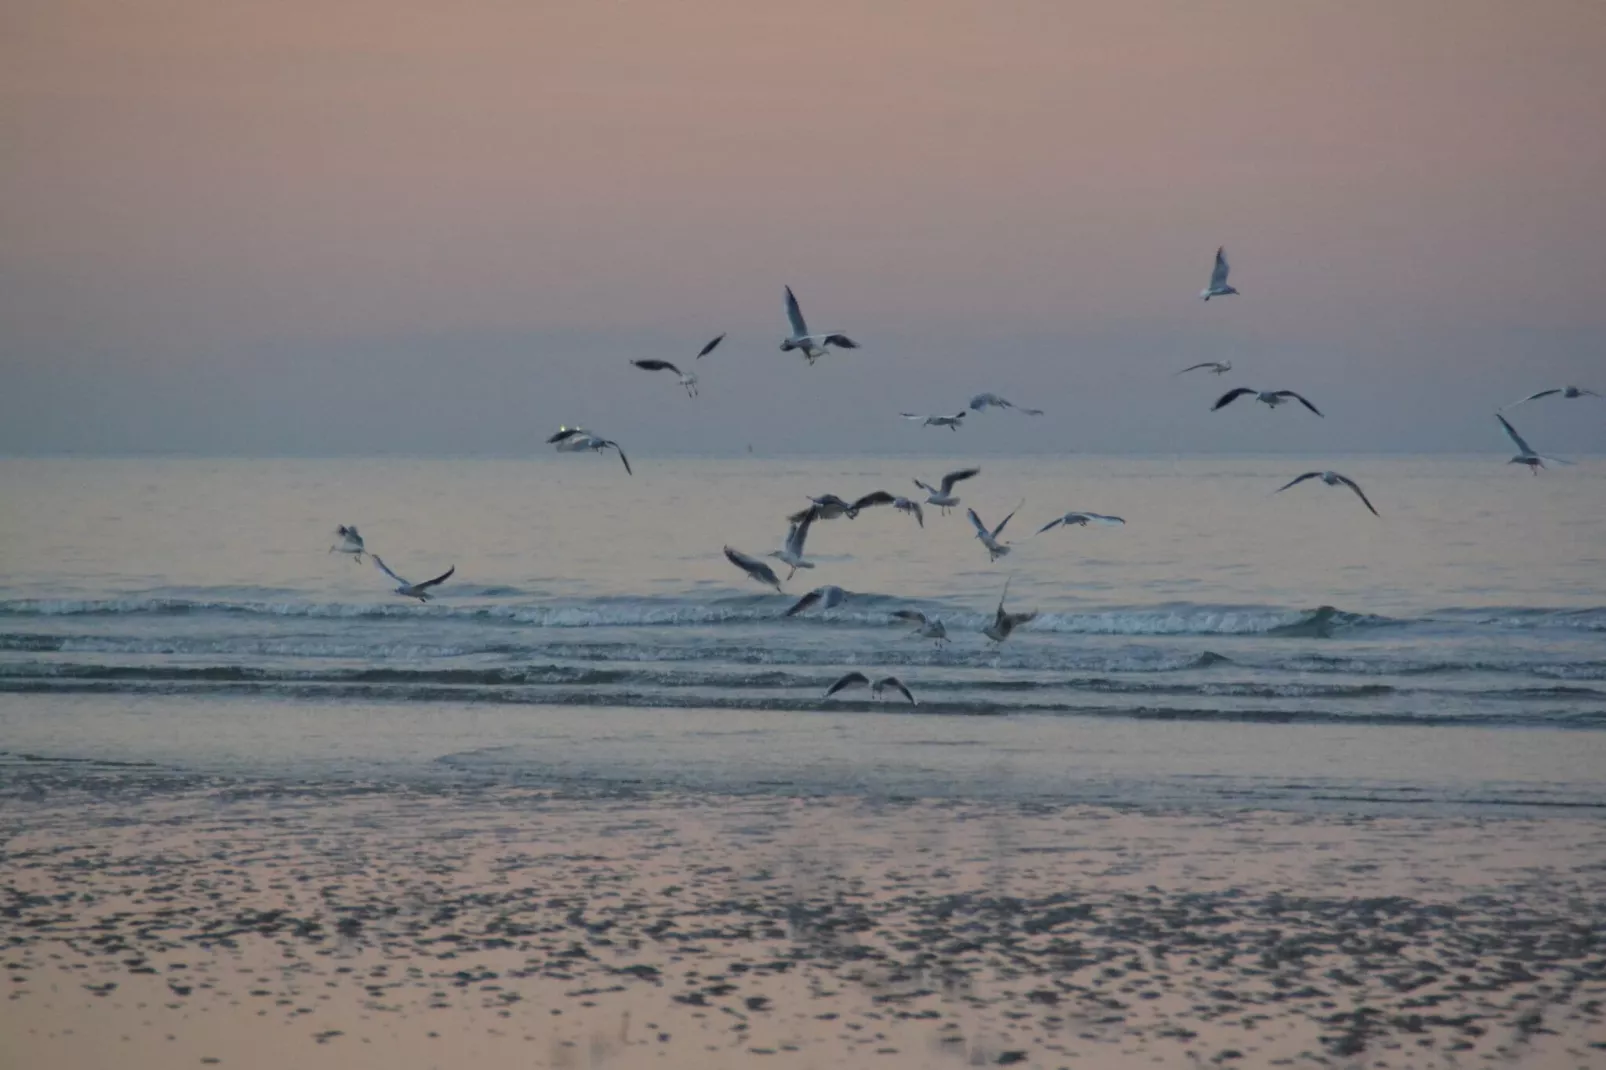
column 319, row 924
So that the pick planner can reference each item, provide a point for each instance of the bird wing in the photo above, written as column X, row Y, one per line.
column 1056, row 522
column 1230, row 396
column 800, row 531
column 852, row 679
column 711, row 346
column 753, row 567
column 975, row 521
column 623, row 459
column 1015, row 620
column 655, row 366
column 794, row 315
column 803, row 603
column 1512, row 432
column 913, row 416
column 1195, row 367
column 1299, row 398
column 563, row 433
column 841, row 341
column 999, row 530
column 951, row 478
column 1218, row 274
column 1025, row 411
column 894, row 682
column 1533, row 397
column 999, row 615
column 875, row 497
column 920, row 517
column 1356, row 487
column 1296, row 480
column 927, row 487
column 1102, row 519
column 380, row 561
column 438, row 580
column 981, row 401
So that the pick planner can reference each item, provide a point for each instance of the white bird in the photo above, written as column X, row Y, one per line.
column 882, row 497
column 943, row 498
column 1526, row 453
column 929, row 627
column 419, row 591
column 824, row 597
column 1217, row 367
column 755, row 568
column 950, row 422
column 895, row 684
column 1332, row 479
column 1005, row 623
column 1269, row 398
column 982, row 401
column 1564, row 391
column 855, row 679
column 1080, row 520
column 792, row 552
column 1218, row 278
column 687, row 379
column 811, row 346
column 350, row 542
column 989, row 539
column 577, row 439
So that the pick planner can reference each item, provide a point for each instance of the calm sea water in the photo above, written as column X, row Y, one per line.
column 1478, row 598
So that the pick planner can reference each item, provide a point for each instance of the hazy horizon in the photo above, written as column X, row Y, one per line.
column 364, row 229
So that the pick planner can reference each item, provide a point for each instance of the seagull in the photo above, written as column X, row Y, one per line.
column 1564, row 391
column 687, row 379
column 1004, row 623
column 1218, row 278
column 811, row 346
column 1271, row 398
column 575, row 439
column 882, row 497
column 350, row 542
column 895, row 684
column 989, row 539
column 950, row 422
column 792, row 552
column 944, row 497
column 1080, row 520
column 753, row 567
column 419, row 591
column 1332, row 479
column 1217, row 367
column 930, row 627
column 1526, row 454
column 824, row 597
column 982, row 401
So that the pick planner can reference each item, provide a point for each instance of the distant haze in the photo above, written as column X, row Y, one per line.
column 386, row 226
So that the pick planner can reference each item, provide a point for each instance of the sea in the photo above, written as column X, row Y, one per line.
column 1227, row 642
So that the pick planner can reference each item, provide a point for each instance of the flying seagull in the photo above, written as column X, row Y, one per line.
column 687, row 379
column 943, row 497
column 419, row 591
column 753, row 567
column 350, row 542
column 711, row 346
column 983, row 401
column 811, row 346
column 1270, row 398
column 849, row 681
column 930, row 627
column 1004, row 623
column 950, row 422
column 823, row 597
column 1217, row 367
column 1526, row 454
column 1080, row 520
column 882, row 497
column 576, row 439
column 989, row 539
column 1332, row 479
column 1218, row 278
column 792, row 552
column 1564, row 391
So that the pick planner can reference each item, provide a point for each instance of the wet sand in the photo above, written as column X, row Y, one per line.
column 160, row 920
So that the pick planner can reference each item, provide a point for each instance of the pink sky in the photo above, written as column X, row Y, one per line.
column 212, row 206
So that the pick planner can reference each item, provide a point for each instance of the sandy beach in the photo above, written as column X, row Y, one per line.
column 153, row 919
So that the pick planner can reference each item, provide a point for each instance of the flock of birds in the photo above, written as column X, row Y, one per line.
column 813, row 346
